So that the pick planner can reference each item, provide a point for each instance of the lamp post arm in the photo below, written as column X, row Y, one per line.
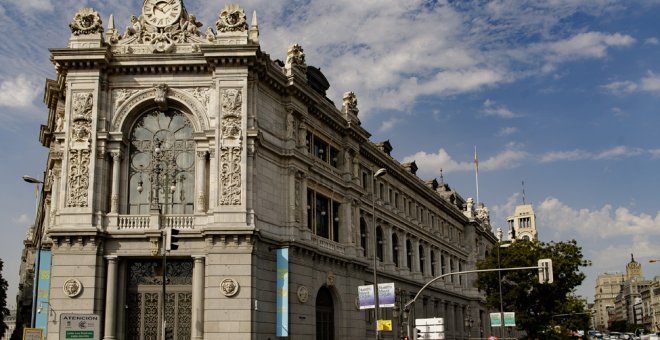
column 409, row 303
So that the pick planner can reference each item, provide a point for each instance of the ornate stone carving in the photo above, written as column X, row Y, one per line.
column 72, row 287
column 172, row 94
column 229, row 287
column 231, row 102
column 303, row 294
column 295, row 56
column 231, row 113
column 232, row 19
column 230, row 176
column 79, row 152
column 290, row 125
column 162, row 25
column 201, row 94
column 349, row 103
column 120, row 95
column 161, row 96
column 86, row 21
column 330, row 279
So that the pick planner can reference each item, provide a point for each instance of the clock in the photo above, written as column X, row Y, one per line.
column 162, row 13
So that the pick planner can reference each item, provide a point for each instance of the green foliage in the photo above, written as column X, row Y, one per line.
column 4, row 312
column 536, row 305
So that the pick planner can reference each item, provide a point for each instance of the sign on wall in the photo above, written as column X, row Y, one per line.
column 386, row 295
column 80, row 326
column 282, row 325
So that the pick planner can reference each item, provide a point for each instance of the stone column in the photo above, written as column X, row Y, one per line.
column 201, row 181
column 388, row 258
column 111, row 299
column 197, row 319
column 415, row 259
column 114, row 200
column 429, row 261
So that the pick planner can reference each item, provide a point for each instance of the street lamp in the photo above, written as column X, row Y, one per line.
column 499, row 276
column 379, row 173
column 35, row 289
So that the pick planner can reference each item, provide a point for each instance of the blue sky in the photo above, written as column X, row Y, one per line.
column 562, row 95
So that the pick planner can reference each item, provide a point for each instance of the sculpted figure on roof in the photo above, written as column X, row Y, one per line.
column 86, row 21
column 232, row 19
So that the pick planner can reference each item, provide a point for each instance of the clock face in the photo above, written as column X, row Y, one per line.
column 161, row 13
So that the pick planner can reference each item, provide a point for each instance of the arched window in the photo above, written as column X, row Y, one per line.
column 363, row 236
column 379, row 243
column 409, row 254
column 161, row 172
column 395, row 249
column 433, row 263
column 421, row 259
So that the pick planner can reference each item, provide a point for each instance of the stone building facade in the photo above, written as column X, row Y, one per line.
column 167, row 125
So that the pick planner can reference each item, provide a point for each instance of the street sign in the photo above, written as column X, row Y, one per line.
column 430, row 329
column 80, row 326
column 431, row 321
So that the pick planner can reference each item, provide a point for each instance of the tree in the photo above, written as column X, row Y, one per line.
column 4, row 312
column 534, row 303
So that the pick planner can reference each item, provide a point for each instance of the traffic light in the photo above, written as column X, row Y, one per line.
column 169, row 333
column 171, row 239
column 545, row 271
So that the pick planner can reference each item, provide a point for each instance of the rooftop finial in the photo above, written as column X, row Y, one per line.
column 523, row 191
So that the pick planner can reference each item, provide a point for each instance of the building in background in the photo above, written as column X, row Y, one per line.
column 277, row 193
column 522, row 225
column 607, row 288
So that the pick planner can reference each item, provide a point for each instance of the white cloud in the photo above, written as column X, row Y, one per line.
column 432, row 163
column 554, row 156
column 651, row 41
column 618, row 112
column 650, row 83
column 655, row 153
column 584, row 45
column 388, row 125
column 39, row 5
column 491, row 109
column 620, row 87
column 507, row 131
column 619, row 152
column 23, row 220
column 18, row 92
column 607, row 222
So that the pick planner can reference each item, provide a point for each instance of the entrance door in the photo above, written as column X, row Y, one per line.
column 325, row 315
column 144, row 297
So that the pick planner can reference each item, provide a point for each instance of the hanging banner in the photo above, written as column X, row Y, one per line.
column 366, row 297
column 386, row 294
column 43, row 292
column 282, row 322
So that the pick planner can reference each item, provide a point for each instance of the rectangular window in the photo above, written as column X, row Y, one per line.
column 396, row 200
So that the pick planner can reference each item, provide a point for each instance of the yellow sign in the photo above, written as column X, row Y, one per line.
column 33, row 333
column 384, row 325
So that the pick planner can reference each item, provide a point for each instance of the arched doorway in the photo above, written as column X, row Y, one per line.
column 325, row 315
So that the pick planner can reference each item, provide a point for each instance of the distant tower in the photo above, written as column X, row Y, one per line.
column 633, row 270
column 522, row 225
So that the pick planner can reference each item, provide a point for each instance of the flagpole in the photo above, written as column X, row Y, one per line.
column 476, row 172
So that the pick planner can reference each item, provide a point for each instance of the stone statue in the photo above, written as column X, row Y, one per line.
column 86, row 21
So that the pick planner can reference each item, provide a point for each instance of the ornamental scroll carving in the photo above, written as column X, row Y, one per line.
column 86, row 21
column 80, row 150
column 230, row 174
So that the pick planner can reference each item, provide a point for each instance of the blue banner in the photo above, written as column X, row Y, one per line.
column 43, row 291
column 282, row 324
